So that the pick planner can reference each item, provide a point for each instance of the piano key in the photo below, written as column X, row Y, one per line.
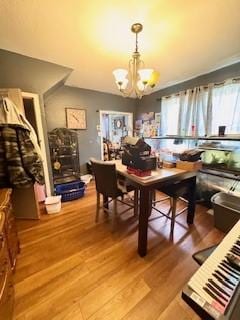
column 231, row 274
column 223, row 282
column 222, row 273
column 237, row 248
column 214, row 296
column 217, row 293
column 229, row 267
column 235, row 252
column 219, row 287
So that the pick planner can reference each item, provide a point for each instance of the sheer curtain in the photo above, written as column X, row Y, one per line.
column 169, row 115
column 195, row 112
column 226, row 107
column 200, row 111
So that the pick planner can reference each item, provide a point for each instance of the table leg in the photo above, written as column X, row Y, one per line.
column 145, row 196
column 191, row 201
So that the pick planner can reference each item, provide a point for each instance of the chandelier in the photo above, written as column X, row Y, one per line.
column 137, row 79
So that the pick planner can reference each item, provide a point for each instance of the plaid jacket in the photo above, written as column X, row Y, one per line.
column 20, row 165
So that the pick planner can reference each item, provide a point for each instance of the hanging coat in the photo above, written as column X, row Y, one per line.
column 20, row 164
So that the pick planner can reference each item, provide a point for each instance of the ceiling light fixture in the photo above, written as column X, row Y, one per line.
column 141, row 80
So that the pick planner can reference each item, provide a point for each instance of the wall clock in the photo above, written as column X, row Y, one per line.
column 76, row 118
column 118, row 123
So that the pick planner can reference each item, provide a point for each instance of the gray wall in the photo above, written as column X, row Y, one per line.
column 150, row 103
column 31, row 75
column 92, row 101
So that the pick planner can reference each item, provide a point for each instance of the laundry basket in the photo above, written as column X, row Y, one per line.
column 70, row 191
column 226, row 210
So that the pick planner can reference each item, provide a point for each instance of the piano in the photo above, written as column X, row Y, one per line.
column 213, row 292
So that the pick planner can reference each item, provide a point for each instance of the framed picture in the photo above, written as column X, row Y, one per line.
column 147, row 116
column 76, row 118
column 158, row 118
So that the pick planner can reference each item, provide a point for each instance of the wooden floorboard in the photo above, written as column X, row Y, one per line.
column 71, row 268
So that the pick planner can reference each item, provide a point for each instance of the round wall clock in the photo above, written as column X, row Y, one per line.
column 118, row 124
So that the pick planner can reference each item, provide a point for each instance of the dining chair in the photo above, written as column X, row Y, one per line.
column 174, row 192
column 109, row 186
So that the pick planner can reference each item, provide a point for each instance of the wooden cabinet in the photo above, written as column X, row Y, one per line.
column 9, row 226
column 9, row 248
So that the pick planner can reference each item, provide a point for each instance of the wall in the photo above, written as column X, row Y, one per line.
column 150, row 103
column 31, row 75
column 92, row 101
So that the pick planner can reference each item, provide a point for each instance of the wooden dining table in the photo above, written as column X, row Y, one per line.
column 146, row 185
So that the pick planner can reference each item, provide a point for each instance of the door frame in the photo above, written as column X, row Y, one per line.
column 101, row 112
column 37, row 112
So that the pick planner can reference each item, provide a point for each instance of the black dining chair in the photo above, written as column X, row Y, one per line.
column 110, row 187
column 174, row 192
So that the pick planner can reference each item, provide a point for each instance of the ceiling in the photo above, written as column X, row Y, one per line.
column 180, row 38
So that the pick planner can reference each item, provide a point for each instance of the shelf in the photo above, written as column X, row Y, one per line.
column 67, row 156
column 222, row 173
column 226, row 138
column 216, row 149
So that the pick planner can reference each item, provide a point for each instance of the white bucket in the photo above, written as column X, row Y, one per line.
column 53, row 204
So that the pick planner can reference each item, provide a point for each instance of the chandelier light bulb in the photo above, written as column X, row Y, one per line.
column 120, row 75
column 145, row 75
column 154, row 79
column 122, row 85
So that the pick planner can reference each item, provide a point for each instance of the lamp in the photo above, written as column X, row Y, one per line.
column 136, row 79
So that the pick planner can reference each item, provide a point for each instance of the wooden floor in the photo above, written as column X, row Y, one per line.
column 71, row 268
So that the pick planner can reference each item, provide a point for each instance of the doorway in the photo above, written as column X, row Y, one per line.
column 33, row 115
column 115, row 125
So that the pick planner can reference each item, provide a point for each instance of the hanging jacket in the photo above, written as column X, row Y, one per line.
column 10, row 115
column 20, row 165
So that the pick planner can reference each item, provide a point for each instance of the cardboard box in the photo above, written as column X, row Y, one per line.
column 189, row 166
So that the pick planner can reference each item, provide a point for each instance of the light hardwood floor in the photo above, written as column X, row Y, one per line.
column 70, row 268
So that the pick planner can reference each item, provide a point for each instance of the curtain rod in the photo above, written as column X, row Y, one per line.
column 204, row 87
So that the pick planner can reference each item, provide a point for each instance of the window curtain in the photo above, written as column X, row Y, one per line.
column 226, row 107
column 200, row 111
column 195, row 112
column 169, row 115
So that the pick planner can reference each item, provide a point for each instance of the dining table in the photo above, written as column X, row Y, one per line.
column 159, row 178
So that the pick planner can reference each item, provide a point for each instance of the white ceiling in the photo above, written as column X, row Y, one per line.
column 181, row 38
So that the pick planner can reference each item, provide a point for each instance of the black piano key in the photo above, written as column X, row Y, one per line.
column 228, row 263
column 227, row 266
column 231, row 274
column 235, row 252
column 234, row 262
column 222, row 281
column 236, row 248
column 226, row 278
column 215, row 291
column 218, row 287
column 213, row 296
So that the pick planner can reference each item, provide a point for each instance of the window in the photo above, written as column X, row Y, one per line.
column 169, row 115
column 202, row 110
column 226, row 108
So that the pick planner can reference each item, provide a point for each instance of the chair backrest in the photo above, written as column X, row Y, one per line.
column 105, row 177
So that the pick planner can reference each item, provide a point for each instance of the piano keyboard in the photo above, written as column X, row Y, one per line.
column 216, row 281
